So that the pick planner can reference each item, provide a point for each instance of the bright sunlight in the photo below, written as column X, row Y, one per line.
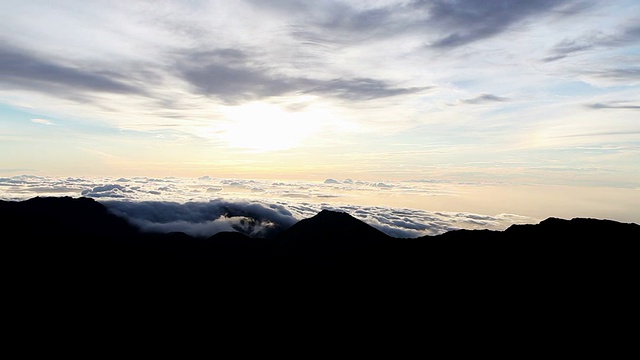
column 267, row 127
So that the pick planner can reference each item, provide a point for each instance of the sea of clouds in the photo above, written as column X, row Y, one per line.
column 206, row 205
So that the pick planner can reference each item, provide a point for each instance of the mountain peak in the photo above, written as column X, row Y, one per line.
column 333, row 215
column 330, row 235
column 331, row 223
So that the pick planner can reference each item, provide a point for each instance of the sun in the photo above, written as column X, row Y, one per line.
column 265, row 127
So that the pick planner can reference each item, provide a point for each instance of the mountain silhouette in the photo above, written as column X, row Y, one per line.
column 79, row 238
column 70, row 258
column 330, row 237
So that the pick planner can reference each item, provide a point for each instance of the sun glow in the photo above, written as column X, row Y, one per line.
column 266, row 127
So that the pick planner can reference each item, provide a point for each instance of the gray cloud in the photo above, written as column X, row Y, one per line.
column 233, row 76
column 622, row 75
column 484, row 99
column 22, row 70
column 204, row 218
column 465, row 22
column 232, row 84
column 361, row 89
column 331, row 22
column 368, row 20
column 258, row 218
column 614, row 105
column 286, row 6
column 109, row 190
column 566, row 48
column 450, row 23
column 229, row 74
column 627, row 35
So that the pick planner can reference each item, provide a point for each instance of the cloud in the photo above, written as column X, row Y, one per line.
column 42, row 121
column 204, row 218
column 361, row 89
column 484, row 99
column 23, row 70
column 233, row 76
column 625, row 105
column 341, row 23
column 109, row 190
column 142, row 201
column 227, row 74
column 615, row 76
column 568, row 47
column 449, row 23
column 465, row 22
column 628, row 34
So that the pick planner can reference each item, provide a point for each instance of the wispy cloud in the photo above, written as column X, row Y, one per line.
column 22, row 70
column 230, row 75
column 616, row 76
column 626, row 35
column 361, row 89
column 625, row 105
column 42, row 122
column 484, row 99
column 473, row 21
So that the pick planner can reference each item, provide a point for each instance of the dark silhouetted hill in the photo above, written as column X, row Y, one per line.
column 78, row 238
column 69, row 259
column 330, row 238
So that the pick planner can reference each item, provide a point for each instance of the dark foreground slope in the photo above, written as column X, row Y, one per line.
column 70, row 263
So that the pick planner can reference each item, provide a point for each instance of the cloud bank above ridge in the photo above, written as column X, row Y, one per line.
column 205, row 206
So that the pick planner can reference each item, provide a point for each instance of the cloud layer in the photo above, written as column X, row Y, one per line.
column 257, row 208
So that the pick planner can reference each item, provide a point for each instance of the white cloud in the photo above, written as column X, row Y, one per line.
column 42, row 121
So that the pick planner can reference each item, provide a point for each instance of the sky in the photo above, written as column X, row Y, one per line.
column 529, row 108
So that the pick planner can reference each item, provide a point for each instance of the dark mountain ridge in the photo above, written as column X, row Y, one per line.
column 70, row 259
column 80, row 234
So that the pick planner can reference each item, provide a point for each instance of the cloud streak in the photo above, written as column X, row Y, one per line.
column 484, row 99
column 468, row 22
column 227, row 74
column 626, row 36
column 42, row 121
column 614, row 105
column 21, row 70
